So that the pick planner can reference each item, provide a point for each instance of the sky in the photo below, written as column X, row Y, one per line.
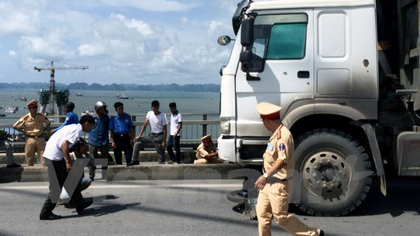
column 121, row 41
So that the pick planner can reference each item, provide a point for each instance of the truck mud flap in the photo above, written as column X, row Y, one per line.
column 376, row 154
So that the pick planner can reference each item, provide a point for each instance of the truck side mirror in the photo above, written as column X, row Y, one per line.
column 224, row 40
column 247, row 32
column 246, row 59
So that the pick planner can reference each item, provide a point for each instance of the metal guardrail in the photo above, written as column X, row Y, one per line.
column 192, row 130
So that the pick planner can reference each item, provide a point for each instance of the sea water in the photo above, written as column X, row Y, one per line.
column 139, row 102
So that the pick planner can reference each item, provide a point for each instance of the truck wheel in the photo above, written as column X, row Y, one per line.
column 335, row 172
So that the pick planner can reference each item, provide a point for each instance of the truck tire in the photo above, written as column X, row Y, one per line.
column 334, row 171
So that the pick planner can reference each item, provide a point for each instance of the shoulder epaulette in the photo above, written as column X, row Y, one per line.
column 279, row 134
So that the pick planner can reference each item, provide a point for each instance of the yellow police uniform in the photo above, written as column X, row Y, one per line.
column 202, row 152
column 273, row 199
column 33, row 127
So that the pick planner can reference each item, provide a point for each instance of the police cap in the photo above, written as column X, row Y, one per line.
column 268, row 110
column 206, row 138
column 32, row 103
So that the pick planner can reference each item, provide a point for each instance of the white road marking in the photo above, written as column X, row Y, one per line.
column 93, row 186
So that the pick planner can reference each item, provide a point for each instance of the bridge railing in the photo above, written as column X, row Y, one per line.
column 194, row 126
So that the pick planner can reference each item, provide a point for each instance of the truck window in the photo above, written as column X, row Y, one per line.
column 287, row 41
column 281, row 36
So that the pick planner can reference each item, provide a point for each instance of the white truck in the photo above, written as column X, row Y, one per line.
column 346, row 74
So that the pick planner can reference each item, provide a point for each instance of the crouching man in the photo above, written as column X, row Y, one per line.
column 80, row 150
column 58, row 161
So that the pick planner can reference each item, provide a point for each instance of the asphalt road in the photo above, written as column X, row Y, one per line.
column 191, row 208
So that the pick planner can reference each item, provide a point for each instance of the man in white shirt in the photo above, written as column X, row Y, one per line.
column 175, row 134
column 157, row 134
column 58, row 161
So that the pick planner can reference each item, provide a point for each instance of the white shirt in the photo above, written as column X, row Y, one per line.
column 156, row 122
column 175, row 120
column 71, row 133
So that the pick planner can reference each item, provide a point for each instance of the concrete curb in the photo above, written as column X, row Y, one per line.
column 144, row 171
column 187, row 156
column 23, row 174
column 152, row 171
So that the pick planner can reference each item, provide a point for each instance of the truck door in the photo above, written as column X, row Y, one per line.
column 282, row 68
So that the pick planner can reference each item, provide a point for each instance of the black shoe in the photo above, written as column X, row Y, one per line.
column 133, row 163
column 50, row 216
column 92, row 179
column 84, row 206
column 321, row 233
column 14, row 165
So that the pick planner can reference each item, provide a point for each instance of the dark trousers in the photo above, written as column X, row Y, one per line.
column 93, row 154
column 59, row 167
column 122, row 143
column 173, row 143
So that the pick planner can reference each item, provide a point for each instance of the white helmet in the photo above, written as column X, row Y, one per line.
column 99, row 104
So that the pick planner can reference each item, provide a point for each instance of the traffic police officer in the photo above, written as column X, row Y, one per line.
column 32, row 125
column 273, row 185
column 207, row 152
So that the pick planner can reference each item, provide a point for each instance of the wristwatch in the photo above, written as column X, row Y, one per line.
column 265, row 175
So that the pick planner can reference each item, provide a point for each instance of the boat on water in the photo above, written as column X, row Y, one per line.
column 88, row 111
column 79, row 94
column 122, row 96
column 10, row 109
column 21, row 98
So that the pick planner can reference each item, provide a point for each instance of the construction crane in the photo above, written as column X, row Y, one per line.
column 52, row 69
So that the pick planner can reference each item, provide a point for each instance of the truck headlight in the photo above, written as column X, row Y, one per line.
column 225, row 125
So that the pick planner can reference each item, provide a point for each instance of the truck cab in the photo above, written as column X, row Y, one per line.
column 318, row 60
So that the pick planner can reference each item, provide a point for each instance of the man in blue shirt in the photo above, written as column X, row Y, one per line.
column 71, row 118
column 98, row 138
column 120, row 127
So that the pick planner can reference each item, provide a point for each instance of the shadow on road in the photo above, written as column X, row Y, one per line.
column 402, row 197
column 105, row 208
column 9, row 175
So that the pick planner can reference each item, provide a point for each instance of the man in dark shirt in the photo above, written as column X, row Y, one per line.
column 120, row 127
column 98, row 138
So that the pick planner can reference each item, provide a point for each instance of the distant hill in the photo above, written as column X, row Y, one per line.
column 31, row 85
column 118, row 87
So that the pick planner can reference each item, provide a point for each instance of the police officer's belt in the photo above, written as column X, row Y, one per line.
column 121, row 134
column 276, row 180
column 30, row 136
